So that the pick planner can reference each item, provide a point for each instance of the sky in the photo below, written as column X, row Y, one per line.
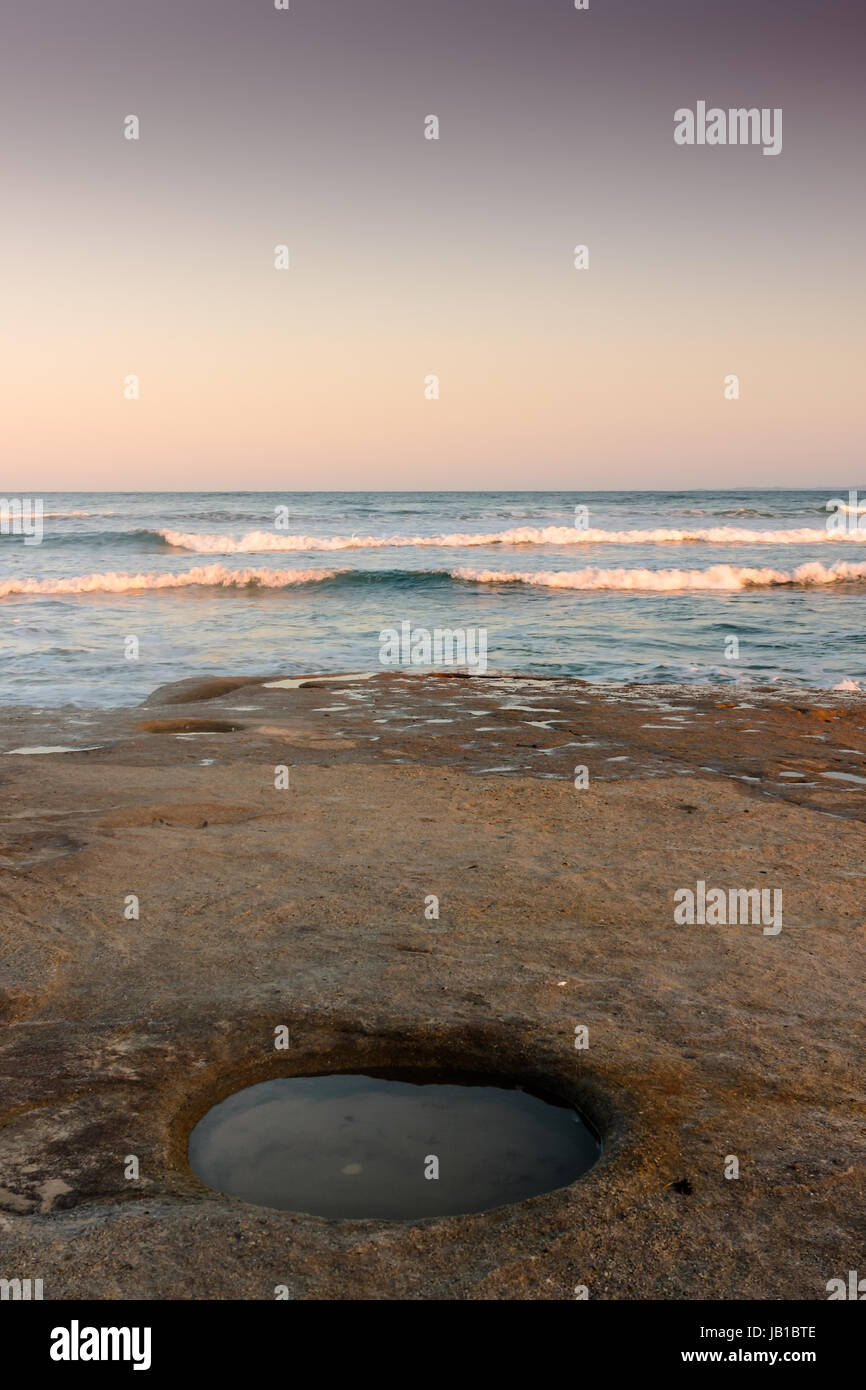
column 411, row 258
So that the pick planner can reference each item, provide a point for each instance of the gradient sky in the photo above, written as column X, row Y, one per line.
column 412, row 257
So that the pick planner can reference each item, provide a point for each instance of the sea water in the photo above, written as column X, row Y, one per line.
column 606, row 586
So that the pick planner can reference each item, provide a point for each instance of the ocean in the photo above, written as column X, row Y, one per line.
column 647, row 586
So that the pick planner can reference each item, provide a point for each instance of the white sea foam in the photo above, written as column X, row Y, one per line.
column 717, row 577
column 206, row 543
column 209, row 576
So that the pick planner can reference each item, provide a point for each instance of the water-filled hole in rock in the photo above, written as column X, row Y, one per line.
column 396, row 1146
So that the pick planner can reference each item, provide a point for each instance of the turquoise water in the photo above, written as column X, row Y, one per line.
column 648, row 586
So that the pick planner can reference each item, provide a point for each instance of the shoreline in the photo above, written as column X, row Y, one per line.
column 807, row 727
column 305, row 906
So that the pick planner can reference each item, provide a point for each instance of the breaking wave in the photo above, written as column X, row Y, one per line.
column 717, row 578
column 262, row 542
column 207, row 576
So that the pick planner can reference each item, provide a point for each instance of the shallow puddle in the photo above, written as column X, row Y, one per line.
column 370, row 1146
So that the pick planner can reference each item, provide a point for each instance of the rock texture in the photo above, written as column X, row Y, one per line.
column 305, row 906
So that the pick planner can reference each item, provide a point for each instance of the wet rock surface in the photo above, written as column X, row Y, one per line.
column 304, row 907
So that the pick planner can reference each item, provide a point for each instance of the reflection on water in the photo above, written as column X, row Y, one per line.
column 355, row 1146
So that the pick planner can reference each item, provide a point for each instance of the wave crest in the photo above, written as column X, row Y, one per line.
column 717, row 578
column 204, row 576
column 262, row 542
